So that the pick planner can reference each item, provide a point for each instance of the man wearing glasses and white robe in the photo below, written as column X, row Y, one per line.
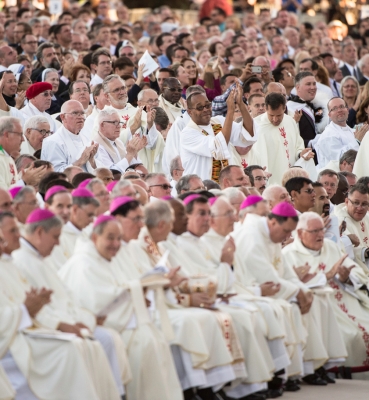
column 204, row 148
column 66, row 147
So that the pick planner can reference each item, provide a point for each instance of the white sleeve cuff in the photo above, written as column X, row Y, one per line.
column 26, row 320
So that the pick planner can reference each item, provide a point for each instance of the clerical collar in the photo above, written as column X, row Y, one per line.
column 6, row 257
column 30, row 246
column 342, row 128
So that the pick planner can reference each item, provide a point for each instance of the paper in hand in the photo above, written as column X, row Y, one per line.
column 150, row 64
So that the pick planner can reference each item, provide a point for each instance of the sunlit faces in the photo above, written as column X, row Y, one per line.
column 61, row 205
column 306, row 89
column 275, row 116
column 357, row 205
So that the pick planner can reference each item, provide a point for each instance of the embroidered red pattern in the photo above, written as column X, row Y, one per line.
column 244, row 163
column 362, row 226
column 321, row 267
column 12, row 171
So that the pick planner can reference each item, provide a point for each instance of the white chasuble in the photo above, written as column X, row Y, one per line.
column 8, row 170
column 350, row 302
column 278, row 147
column 199, row 145
column 361, row 166
column 95, row 285
column 361, row 230
column 51, row 366
column 173, row 111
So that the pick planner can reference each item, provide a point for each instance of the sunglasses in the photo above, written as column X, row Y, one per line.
column 201, row 108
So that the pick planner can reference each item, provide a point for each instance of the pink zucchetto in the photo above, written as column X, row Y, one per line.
column 82, row 192
column 284, row 209
column 15, row 190
column 103, row 218
column 190, row 198
column 111, row 185
column 120, row 201
column 250, row 201
column 53, row 190
column 39, row 215
column 212, row 200
column 84, row 183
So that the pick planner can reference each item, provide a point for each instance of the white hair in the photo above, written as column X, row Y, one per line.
column 156, row 212
column 120, row 185
column 142, row 93
column 269, row 192
column 306, row 217
column 7, row 124
column 34, row 122
column 105, row 114
column 232, row 193
column 362, row 60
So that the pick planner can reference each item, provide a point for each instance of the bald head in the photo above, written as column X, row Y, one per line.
column 275, row 194
column 73, row 116
column 275, row 87
column 5, row 201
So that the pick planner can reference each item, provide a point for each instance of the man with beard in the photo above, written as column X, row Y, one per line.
column 337, row 137
column 47, row 57
column 257, row 176
column 279, row 142
column 170, row 99
column 66, row 147
column 135, row 122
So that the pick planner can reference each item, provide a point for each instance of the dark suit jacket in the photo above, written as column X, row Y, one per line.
column 346, row 72
column 307, row 130
column 363, row 81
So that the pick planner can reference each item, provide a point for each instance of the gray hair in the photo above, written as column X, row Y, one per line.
column 142, row 93
column 46, row 72
column 347, row 78
column 93, row 182
column 269, row 192
column 232, row 193
column 120, row 185
column 305, row 217
column 34, row 21
column 349, row 156
column 184, row 183
column 175, row 164
column 66, row 104
column 301, row 75
column 46, row 225
column 7, row 124
column 19, row 198
column 156, row 212
column 85, row 201
column 362, row 60
column 109, row 79
column 150, row 177
column 99, row 229
column 23, row 161
column 105, row 114
column 34, row 122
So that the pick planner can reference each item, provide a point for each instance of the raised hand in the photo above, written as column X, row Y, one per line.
column 31, row 176
column 330, row 274
column 297, row 116
column 303, row 273
column 307, row 154
column 174, row 277
column 344, row 272
column 136, row 121
column 360, row 133
column 19, row 100
column 151, row 114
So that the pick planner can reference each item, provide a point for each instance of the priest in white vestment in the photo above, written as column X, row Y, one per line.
column 17, row 282
column 330, row 270
column 42, row 233
column 261, row 261
column 279, row 143
column 77, row 210
column 135, row 121
column 35, row 130
column 66, row 147
column 112, row 153
column 171, row 99
column 337, row 137
column 95, row 285
column 206, row 363
column 355, row 215
column 361, row 166
column 204, row 143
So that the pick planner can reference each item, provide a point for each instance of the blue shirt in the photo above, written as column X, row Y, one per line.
column 164, row 61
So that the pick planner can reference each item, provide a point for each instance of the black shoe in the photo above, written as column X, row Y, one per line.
column 271, row 393
column 314, row 379
column 292, row 385
column 275, row 384
column 323, row 374
column 254, row 396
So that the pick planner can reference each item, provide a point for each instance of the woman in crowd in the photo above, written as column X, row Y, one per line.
column 181, row 74
column 210, row 78
column 51, row 76
column 190, row 66
column 350, row 92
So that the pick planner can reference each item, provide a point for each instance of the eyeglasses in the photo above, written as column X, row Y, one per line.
column 271, row 27
column 17, row 133
column 339, row 108
column 90, row 215
column 152, row 101
column 115, row 123
column 358, row 204
column 172, row 89
column 33, row 203
column 207, row 106
column 309, row 191
column 105, row 62
column 119, row 89
column 77, row 114
column 102, row 194
column 136, row 219
column 43, row 132
column 164, row 186
column 127, row 54
column 316, row 231
column 32, row 42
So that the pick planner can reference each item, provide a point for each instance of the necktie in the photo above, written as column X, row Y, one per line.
column 356, row 74
column 336, row 88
